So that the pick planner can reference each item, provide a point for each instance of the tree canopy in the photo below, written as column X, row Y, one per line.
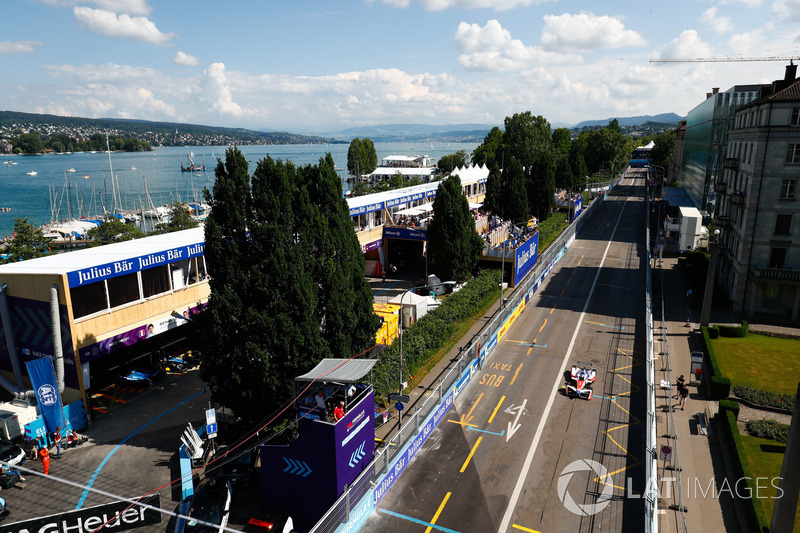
column 287, row 281
column 361, row 157
column 28, row 242
column 113, row 230
column 450, row 162
column 180, row 218
column 453, row 244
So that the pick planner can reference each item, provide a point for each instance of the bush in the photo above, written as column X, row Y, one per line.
column 733, row 331
column 729, row 405
column 768, row 429
column 765, row 398
column 720, row 386
column 713, row 332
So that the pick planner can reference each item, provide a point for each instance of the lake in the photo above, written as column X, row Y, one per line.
column 32, row 196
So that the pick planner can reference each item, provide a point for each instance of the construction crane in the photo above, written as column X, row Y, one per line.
column 724, row 59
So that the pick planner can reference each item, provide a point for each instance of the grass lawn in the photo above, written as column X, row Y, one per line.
column 756, row 361
column 764, row 459
column 550, row 229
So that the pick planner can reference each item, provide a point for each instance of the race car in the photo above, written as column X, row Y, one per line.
column 176, row 363
column 580, row 381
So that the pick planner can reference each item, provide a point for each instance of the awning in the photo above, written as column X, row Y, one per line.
column 340, row 370
column 473, row 205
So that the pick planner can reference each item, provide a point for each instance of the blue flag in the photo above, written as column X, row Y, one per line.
column 43, row 380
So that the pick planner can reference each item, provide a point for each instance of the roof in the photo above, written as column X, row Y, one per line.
column 676, row 196
column 409, row 298
column 340, row 370
column 64, row 263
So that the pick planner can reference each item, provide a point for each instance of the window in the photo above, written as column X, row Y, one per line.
column 180, row 273
column 793, row 153
column 772, row 291
column 777, row 257
column 155, row 281
column 795, row 117
column 123, row 289
column 788, row 189
column 201, row 267
column 89, row 299
column 783, row 225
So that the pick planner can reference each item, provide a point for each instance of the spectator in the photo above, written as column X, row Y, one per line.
column 338, row 413
column 684, row 394
column 56, row 438
column 680, row 383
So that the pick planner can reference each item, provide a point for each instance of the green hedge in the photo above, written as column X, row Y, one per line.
column 768, row 429
column 713, row 332
column 720, row 386
column 433, row 331
column 766, row 398
column 752, row 506
column 729, row 405
column 733, row 331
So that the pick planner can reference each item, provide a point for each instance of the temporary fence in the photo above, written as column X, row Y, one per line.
column 651, row 464
column 354, row 506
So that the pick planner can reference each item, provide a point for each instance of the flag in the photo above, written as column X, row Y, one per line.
column 43, row 380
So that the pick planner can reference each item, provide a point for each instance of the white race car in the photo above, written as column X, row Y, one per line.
column 580, row 381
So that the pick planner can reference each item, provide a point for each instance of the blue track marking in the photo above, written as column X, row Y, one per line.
column 485, row 431
column 417, row 521
column 117, row 447
column 613, row 398
column 534, row 345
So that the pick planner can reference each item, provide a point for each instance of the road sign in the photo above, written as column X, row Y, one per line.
column 399, row 406
column 211, row 423
column 399, row 397
column 666, row 454
column 212, row 430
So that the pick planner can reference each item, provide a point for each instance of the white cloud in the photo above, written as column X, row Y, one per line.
column 216, row 91
column 185, row 59
column 787, row 10
column 441, row 5
column 748, row 3
column 718, row 23
column 491, row 48
column 112, row 25
column 19, row 47
column 105, row 73
column 687, row 44
column 587, row 31
column 132, row 7
column 745, row 43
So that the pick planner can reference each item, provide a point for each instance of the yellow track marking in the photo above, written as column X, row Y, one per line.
column 112, row 398
column 543, row 325
column 438, row 512
column 468, row 417
column 460, row 423
column 531, row 348
column 496, row 409
column 551, row 310
column 515, row 375
column 524, row 528
column 471, row 453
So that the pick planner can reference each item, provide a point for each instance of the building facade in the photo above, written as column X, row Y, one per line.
column 758, row 210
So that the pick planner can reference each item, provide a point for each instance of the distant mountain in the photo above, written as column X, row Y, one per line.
column 416, row 132
column 156, row 133
column 663, row 118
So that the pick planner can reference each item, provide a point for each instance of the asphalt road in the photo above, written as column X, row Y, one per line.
column 498, row 460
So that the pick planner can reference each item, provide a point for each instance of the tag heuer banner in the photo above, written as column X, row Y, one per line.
column 43, row 380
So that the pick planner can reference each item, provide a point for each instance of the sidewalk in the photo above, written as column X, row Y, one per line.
column 696, row 449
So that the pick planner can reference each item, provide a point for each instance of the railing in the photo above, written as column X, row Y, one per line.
column 731, row 163
column 356, row 503
column 720, row 187
column 776, row 274
column 738, row 198
column 723, row 221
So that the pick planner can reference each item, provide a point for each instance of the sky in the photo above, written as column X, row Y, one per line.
column 320, row 66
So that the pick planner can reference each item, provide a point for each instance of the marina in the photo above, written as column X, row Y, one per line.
column 90, row 188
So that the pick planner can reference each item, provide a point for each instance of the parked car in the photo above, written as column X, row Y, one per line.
column 238, row 467
column 270, row 522
column 210, row 507
column 10, row 453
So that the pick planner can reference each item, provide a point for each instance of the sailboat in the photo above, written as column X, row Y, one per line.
column 192, row 166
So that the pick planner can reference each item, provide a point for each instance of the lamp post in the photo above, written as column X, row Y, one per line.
column 705, row 314
column 401, row 387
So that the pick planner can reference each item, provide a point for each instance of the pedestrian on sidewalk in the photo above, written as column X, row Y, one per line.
column 684, row 394
column 44, row 457
column 56, row 437
column 680, row 383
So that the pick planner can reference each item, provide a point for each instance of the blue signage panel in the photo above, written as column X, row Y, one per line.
column 77, row 278
column 43, row 381
column 364, row 209
column 578, row 207
column 412, row 234
column 525, row 257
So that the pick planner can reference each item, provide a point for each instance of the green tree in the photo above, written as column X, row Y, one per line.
column 564, row 178
column 608, row 145
column 577, row 166
column 489, row 153
column 27, row 242
column 287, row 281
column 361, row 157
column 450, row 162
column 515, row 198
column 180, row 218
column 28, row 143
column 561, row 140
column 540, row 182
column 526, row 137
column 663, row 150
column 112, row 230
column 453, row 244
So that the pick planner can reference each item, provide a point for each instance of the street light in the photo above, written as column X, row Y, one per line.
column 705, row 313
column 400, row 415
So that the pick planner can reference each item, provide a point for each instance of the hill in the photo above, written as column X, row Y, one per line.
column 156, row 133
column 417, row 132
column 663, row 118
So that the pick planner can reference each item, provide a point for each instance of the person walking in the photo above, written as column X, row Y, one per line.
column 44, row 457
column 680, row 383
column 684, row 394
